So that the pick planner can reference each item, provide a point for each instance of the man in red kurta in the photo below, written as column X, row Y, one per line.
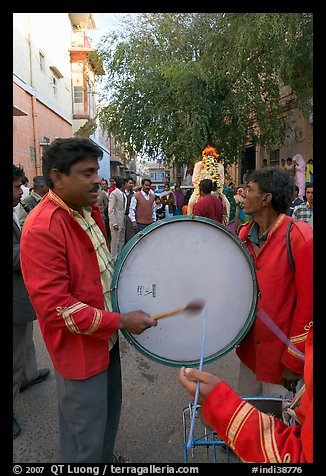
column 253, row 435
column 208, row 205
column 269, row 366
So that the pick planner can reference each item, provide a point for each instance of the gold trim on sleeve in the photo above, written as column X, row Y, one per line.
column 299, row 338
column 237, row 421
column 67, row 313
column 267, row 438
column 266, row 426
column 96, row 322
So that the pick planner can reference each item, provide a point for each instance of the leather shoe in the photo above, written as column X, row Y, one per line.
column 42, row 375
column 16, row 428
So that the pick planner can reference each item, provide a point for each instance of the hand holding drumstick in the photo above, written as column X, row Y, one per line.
column 189, row 378
column 136, row 322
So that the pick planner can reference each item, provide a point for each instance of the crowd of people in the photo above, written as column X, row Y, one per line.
column 74, row 221
column 209, row 172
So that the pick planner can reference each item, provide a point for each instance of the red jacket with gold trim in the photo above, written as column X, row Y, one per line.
column 260, row 438
column 286, row 296
column 62, row 276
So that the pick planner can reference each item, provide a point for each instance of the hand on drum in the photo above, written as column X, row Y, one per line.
column 136, row 322
column 189, row 378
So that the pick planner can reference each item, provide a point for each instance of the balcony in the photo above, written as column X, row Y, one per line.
column 116, row 160
column 80, row 41
column 82, row 20
column 81, row 48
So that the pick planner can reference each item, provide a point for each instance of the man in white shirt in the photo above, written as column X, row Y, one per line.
column 117, row 217
column 129, row 192
column 38, row 191
column 305, row 210
column 25, row 194
column 142, row 210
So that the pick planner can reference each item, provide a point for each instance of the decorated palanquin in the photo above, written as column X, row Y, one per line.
column 211, row 168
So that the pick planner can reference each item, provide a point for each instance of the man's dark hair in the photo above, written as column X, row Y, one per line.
column 130, row 178
column 146, row 180
column 119, row 181
column 277, row 182
column 38, row 181
column 309, row 185
column 206, row 186
column 18, row 173
column 63, row 153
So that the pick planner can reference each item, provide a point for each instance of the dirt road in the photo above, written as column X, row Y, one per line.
column 151, row 427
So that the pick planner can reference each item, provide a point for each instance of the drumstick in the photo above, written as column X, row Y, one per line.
column 277, row 331
column 194, row 306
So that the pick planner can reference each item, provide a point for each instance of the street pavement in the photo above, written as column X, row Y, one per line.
column 151, row 425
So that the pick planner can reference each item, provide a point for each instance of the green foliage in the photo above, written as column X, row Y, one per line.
column 96, row 63
column 180, row 81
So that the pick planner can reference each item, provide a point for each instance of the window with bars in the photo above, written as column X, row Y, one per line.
column 54, row 86
column 274, row 158
column 78, row 88
column 41, row 57
column 78, row 100
column 78, row 94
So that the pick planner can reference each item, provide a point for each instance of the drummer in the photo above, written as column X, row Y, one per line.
column 67, row 269
column 268, row 365
column 253, row 435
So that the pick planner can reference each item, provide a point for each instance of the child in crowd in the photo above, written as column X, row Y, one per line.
column 160, row 209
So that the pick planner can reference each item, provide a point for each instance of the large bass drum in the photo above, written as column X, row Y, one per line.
column 169, row 264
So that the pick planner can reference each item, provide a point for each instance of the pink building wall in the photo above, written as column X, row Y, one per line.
column 47, row 124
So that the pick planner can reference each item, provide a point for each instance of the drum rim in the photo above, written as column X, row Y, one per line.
column 122, row 258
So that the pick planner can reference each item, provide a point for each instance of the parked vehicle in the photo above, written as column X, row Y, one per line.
column 158, row 191
column 185, row 188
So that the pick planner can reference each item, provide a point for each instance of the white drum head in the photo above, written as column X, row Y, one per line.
column 171, row 263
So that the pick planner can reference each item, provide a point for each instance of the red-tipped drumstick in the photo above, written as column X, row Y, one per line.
column 194, row 306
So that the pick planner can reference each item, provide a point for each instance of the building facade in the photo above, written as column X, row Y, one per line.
column 299, row 139
column 54, row 86
column 41, row 85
